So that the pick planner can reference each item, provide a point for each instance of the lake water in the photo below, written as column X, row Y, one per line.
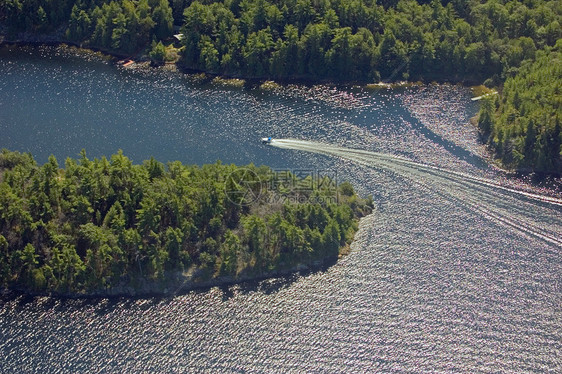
column 458, row 269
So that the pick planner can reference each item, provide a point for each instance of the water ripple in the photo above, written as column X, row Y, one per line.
column 433, row 283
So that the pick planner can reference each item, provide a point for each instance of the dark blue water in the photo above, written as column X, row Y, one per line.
column 55, row 102
column 453, row 272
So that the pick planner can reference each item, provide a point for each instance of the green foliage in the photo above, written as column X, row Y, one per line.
column 525, row 129
column 120, row 26
column 362, row 40
column 102, row 223
column 162, row 16
column 157, row 53
column 486, row 117
column 359, row 40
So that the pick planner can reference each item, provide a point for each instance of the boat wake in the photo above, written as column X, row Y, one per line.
column 526, row 213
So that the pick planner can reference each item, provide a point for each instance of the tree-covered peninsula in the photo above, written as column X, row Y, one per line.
column 107, row 224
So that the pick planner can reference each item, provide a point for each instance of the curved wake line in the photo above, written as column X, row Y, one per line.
column 474, row 198
column 328, row 149
column 507, row 206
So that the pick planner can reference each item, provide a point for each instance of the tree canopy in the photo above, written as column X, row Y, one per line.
column 362, row 40
column 102, row 223
column 524, row 125
column 365, row 40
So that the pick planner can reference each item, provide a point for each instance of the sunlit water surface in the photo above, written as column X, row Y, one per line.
column 457, row 270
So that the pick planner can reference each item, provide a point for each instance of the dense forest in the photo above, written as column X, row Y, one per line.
column 524, row 124
column 107, row 223
column 365, row 40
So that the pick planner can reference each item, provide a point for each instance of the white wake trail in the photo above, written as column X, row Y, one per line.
column 528, row 213
column 332, row 150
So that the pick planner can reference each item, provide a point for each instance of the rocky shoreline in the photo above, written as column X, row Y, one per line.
column 54, row 39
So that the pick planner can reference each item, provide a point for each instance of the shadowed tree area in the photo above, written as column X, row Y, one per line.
column 523, row 126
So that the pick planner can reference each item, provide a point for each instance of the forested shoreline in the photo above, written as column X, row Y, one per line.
column 106, row 224
column 325, row 39
column 523, row 125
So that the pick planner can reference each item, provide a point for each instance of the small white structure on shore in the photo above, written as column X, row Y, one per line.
column 483, row 96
